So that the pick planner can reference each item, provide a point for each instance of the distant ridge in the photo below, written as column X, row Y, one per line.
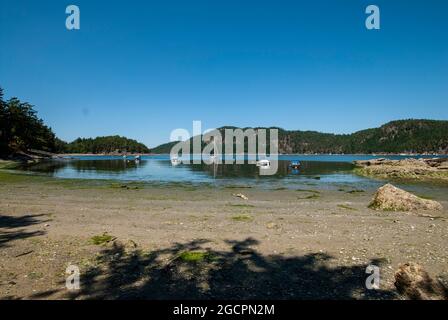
column 163, row 148
column 412, row 136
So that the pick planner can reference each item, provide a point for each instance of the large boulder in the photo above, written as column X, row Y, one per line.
column 391, row 198
column 413, row 282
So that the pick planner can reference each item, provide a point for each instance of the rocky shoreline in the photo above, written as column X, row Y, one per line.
column 414, row 169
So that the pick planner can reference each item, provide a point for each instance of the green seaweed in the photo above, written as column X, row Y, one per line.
column 102, row 239
column 343, row 206
column 310, row 197
column 195, row 256
column 242, row 218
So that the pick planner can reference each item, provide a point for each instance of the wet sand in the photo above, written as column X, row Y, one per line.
column 279, row 244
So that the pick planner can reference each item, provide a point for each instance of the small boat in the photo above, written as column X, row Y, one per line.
column 175, row 161
column 137, row 158
column 295, row 164
column 265, row 164
column 213, row 159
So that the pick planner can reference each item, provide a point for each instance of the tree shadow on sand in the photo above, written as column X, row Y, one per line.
column 238, row 273
column 11, row 228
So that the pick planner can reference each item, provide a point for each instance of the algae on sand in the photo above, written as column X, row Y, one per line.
column 242, row 218
column 195, row 256
column 346, row 207
column 102, row 239
column 310, row 197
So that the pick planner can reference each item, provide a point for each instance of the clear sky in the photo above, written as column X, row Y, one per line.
column 144, row 68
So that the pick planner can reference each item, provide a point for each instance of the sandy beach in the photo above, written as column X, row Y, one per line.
column 174, row 241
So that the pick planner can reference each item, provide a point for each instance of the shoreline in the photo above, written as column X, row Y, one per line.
column 281, row 154
column 435, row 169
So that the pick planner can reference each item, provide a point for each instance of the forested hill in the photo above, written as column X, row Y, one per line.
column 402, row 136
column 163, row 148
column 109, row 144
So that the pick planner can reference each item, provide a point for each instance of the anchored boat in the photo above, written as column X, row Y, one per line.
column 175, row 161
column 295, row 164
column 264, row 164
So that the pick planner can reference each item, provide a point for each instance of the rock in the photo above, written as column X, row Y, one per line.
column 412, row 281
column 391, row 198
column 271, row 225
column 417, row 169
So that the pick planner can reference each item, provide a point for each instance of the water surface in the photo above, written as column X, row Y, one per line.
column 319, row 171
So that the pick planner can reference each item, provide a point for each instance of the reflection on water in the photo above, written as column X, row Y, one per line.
column 321, row 171
column 251, row 171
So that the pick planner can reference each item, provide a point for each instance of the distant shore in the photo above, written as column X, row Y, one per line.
column 283, row 154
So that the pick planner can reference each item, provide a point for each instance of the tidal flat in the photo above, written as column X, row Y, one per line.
column 169, row 241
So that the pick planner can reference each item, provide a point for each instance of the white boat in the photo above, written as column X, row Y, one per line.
column 265, row 164
column 175, row 161
column 213, row 157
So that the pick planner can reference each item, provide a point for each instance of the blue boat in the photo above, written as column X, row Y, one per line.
column 295, row 164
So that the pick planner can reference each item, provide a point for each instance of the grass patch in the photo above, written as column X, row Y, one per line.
column 242, row 218
column 343, row 206
column 196, row 256
column 102, row 239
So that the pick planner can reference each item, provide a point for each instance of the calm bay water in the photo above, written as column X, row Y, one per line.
column 321, row 171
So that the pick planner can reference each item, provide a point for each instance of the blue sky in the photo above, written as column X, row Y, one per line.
column 144, row 68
